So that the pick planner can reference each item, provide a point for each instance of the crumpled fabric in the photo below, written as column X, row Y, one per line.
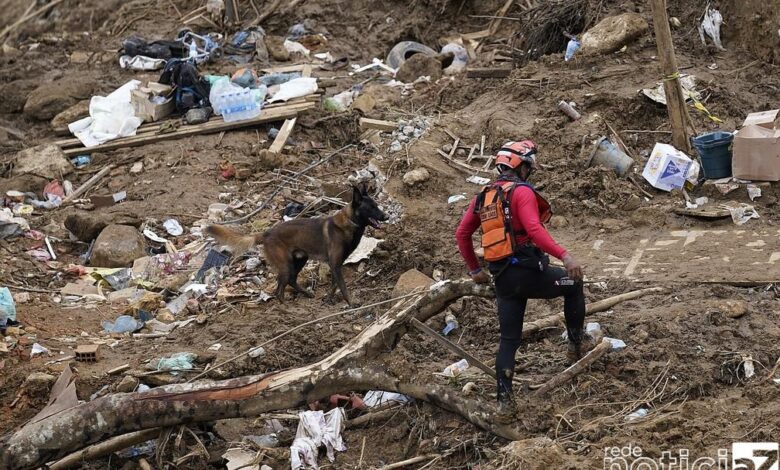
column 110, row 117
column 316, row 429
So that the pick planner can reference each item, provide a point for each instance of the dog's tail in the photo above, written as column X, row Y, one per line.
column 238, row 243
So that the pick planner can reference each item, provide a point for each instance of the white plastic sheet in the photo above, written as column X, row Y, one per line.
column 295, row 88
column 110, row 117
column 710, row 26
column 141, row 62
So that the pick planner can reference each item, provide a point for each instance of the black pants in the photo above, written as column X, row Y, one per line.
column 514, row 286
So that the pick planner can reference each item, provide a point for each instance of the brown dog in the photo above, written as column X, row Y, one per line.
column 289, row 245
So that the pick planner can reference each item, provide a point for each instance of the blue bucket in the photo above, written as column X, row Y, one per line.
column 714, row 150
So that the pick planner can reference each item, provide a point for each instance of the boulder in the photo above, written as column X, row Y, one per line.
column 411, row 280
column 733, row 308
column 558, row 221
column 52, row 98
column 416, row 176
column 47, row 161
column 15, row 95
column 612, row 33
column 118, row 246
column 127, row 385
column 419, row 65
column 87, row 226
column 72, row 114
column 276, row 49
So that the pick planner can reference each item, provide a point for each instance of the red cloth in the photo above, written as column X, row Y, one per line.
column 525, row 217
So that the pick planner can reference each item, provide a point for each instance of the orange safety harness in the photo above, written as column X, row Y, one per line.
column 493, row 206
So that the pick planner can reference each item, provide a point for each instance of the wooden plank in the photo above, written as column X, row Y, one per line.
column 453, row 347
column 675, row 100
column 385, row 126
column 462, row 166
column 207, row 128
column 306, row 72
column 476, row 35
column 90, row 182
column 488, row 72
column 471, row 153
column 283, row 135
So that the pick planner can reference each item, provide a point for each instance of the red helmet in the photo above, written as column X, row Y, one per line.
column 512, row 154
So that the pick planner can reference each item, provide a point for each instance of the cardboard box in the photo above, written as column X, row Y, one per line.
column 756, row 154
column 144, row 108
column 668, row 168
column 767, row 119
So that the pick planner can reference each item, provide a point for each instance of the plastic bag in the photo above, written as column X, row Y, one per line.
column 295, row 88
column 178, row 361
column 7, row 306
column 122, row 324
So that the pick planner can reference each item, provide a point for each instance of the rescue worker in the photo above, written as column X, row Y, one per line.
column 511, row 215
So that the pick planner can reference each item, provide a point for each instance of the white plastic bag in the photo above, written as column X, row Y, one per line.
column 316, row 429
column 295, row 88
column 110, row 117
column 711, row 26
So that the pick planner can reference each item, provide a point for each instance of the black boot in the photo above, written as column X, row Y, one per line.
column 507, row 409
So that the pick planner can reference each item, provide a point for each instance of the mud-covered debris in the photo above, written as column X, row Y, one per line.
column 613, row 32
column 410, row 281
column 44, row 160
column 416, row 176
column 118, row 246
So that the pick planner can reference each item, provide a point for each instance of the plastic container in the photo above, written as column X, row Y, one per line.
column 7, row 306
column 606, row 154
column 454, row 370
column 451, row 323
column 233, row 102
column 714, row 149
column 571, row 48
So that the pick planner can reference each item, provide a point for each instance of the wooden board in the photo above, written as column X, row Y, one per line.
column 283, row 135
column 488, row 72
column 270, row 115
column 385, row 126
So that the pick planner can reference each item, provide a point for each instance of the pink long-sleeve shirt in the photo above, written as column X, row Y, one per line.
column 525, row 221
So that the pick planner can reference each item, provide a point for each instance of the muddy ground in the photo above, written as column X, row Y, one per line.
column 685, row 353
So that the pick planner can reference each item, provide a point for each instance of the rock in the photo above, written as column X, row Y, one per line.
column 72, row 114
column 558, row 221
column 45, row 160
column 419, row 65
column 137, row 168
column 364, row 103
column 447, row 148
column 52, row 98
column 537, row 452
column 15, row 95
column 269, row 160
column 38, row 384
column 408, row 130
column 612, row 33
column 202, row 319
column 633, row 202
column 611, row 225
column 733, row 308
column 395, row 146
column 118, row 246
column 22, row 298
column 87, row 226
column 193, row 306
column 127, row 385
column 164, row 315
column 416, row 176
column 275, row 46
column 411, row 280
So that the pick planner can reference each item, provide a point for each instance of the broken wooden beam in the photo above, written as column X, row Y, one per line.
column 453, row 347
column 488, row 72
column 284, row 134
column 384, row 126
column 462, row 166
column 89, row 183
column 576, row 368
column 270, row 115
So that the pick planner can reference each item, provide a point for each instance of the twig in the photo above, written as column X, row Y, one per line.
column 104, row 448
column 576, row 368
column 362, row 449
column 282, row 335
column 175, row 8
column 731, row 72
column 270, row 11
column 90, row 182
column 631, row 179
column 281, row 186
column 453, row 347
column 412, row 461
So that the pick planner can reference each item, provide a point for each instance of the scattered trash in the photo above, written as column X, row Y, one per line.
column 254, row 353
column 638, row 414
column 233, row 102
column 710, row 26
column 176, row 362
column 316, row 429
column 455, row 198
column 747, row 366
column 215, row 347
column 688, row 83
column 376, row 398
column 364, row 249
column 454, row 370
column 668, row 168
column 341, row 102
column 606, row 154
column 741, row 212
column 267, row 440
column 767, row 119
column 699, row 201
column 451, row 323
column 568, row 109
column 294, row 47
column 571, row 48
column 147, row 448
column 38, row 349
column 140, row 62
column 123, row 324
column 173, row 227
column 480, row 180
column 617, row 344
column 81, row 161
column 240, row 459
column 295, row 88
column 754, row 191
column 714, row 149
column 460, row 58
column 404, row 50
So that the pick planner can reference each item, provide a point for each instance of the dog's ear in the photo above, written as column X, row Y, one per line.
column 357, row 196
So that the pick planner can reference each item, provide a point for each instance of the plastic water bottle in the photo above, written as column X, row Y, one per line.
column 638, row 414
column 454, row 370
column 571, row 48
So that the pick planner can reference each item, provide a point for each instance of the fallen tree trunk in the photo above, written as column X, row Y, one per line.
column 352, row 367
